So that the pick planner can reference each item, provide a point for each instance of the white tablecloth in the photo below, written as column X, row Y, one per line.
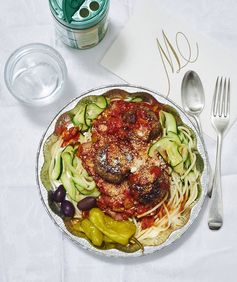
column 31, row 246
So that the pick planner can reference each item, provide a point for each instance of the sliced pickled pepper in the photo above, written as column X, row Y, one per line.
column 92, row 232
column 118, row 231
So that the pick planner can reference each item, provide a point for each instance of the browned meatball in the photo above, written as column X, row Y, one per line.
column 130, row 117
column 143, row 133
column 112, row 162
column 149, row 193
column 149, row 185
column 156, row 129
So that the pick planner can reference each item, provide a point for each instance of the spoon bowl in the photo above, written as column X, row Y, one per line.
column 192, row 94
column 193, row 101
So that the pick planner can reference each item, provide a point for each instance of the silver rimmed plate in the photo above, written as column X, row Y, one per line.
column 113, row 252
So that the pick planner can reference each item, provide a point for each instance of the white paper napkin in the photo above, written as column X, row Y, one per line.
column 136, row 57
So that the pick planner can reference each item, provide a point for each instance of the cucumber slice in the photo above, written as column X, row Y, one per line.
column 137, row 99
column 88, row 122
column 183, row 150
column 162, row 118
column 93, row 193
column 133, row 99
column 68, row 162
column 182, row 138
column 87, row 110
column 78, row 119
column 192, row 177
column 168, row 121
column 77, row 108
column 199, row 162
column 88, row 178
column 174, row 137
column 101, row 102
column 92, row 111
column 66, row 176
column 153, row 148
column 80, row 169
column 75, row 162
column 83, row 127
column 179, row 168
column 67, row 159
column 82, row 190
column 161, row 144
column 76, row 198
column 69, row 185
column 85, row 192
column 187, row 163
column 80, row 181
column 58, row 167
column 91, row 186
column 69, row 149
column 128, row 99
column 76, row 182
column 174, row 157
column 79, row 188
column 168, row 150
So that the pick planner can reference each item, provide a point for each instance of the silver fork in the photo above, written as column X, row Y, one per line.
column 220, row 119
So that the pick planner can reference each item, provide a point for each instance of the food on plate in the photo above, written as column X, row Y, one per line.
column 122, row 170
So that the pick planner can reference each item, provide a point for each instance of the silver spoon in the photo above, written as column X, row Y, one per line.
column 193, row 101
column 192, row 95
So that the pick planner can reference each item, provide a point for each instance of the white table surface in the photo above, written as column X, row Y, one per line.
column 31, row 247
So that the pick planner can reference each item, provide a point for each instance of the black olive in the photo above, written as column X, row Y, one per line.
column 59, row 194
column 87, row 204
column 67, row 209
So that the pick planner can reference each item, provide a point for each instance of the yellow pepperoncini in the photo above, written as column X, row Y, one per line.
column 117, row 231
column 92, row 232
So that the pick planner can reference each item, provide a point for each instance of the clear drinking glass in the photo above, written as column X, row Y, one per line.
column 35, row 74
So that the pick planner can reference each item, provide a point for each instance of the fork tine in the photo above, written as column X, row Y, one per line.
column 223, row 100
column 214, row 100
column 227, row 104
column 219, row 97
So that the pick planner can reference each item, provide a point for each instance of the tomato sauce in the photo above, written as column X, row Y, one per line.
column 130, row 124
column 120, row 123
column 70, row 136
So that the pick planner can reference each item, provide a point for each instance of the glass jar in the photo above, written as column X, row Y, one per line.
column 86, row 27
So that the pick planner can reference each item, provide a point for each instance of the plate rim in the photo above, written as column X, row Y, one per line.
column 175, row 235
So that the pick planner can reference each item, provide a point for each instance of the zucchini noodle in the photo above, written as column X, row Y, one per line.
column 173, row 212
column 193, row 156
column 55, row 150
